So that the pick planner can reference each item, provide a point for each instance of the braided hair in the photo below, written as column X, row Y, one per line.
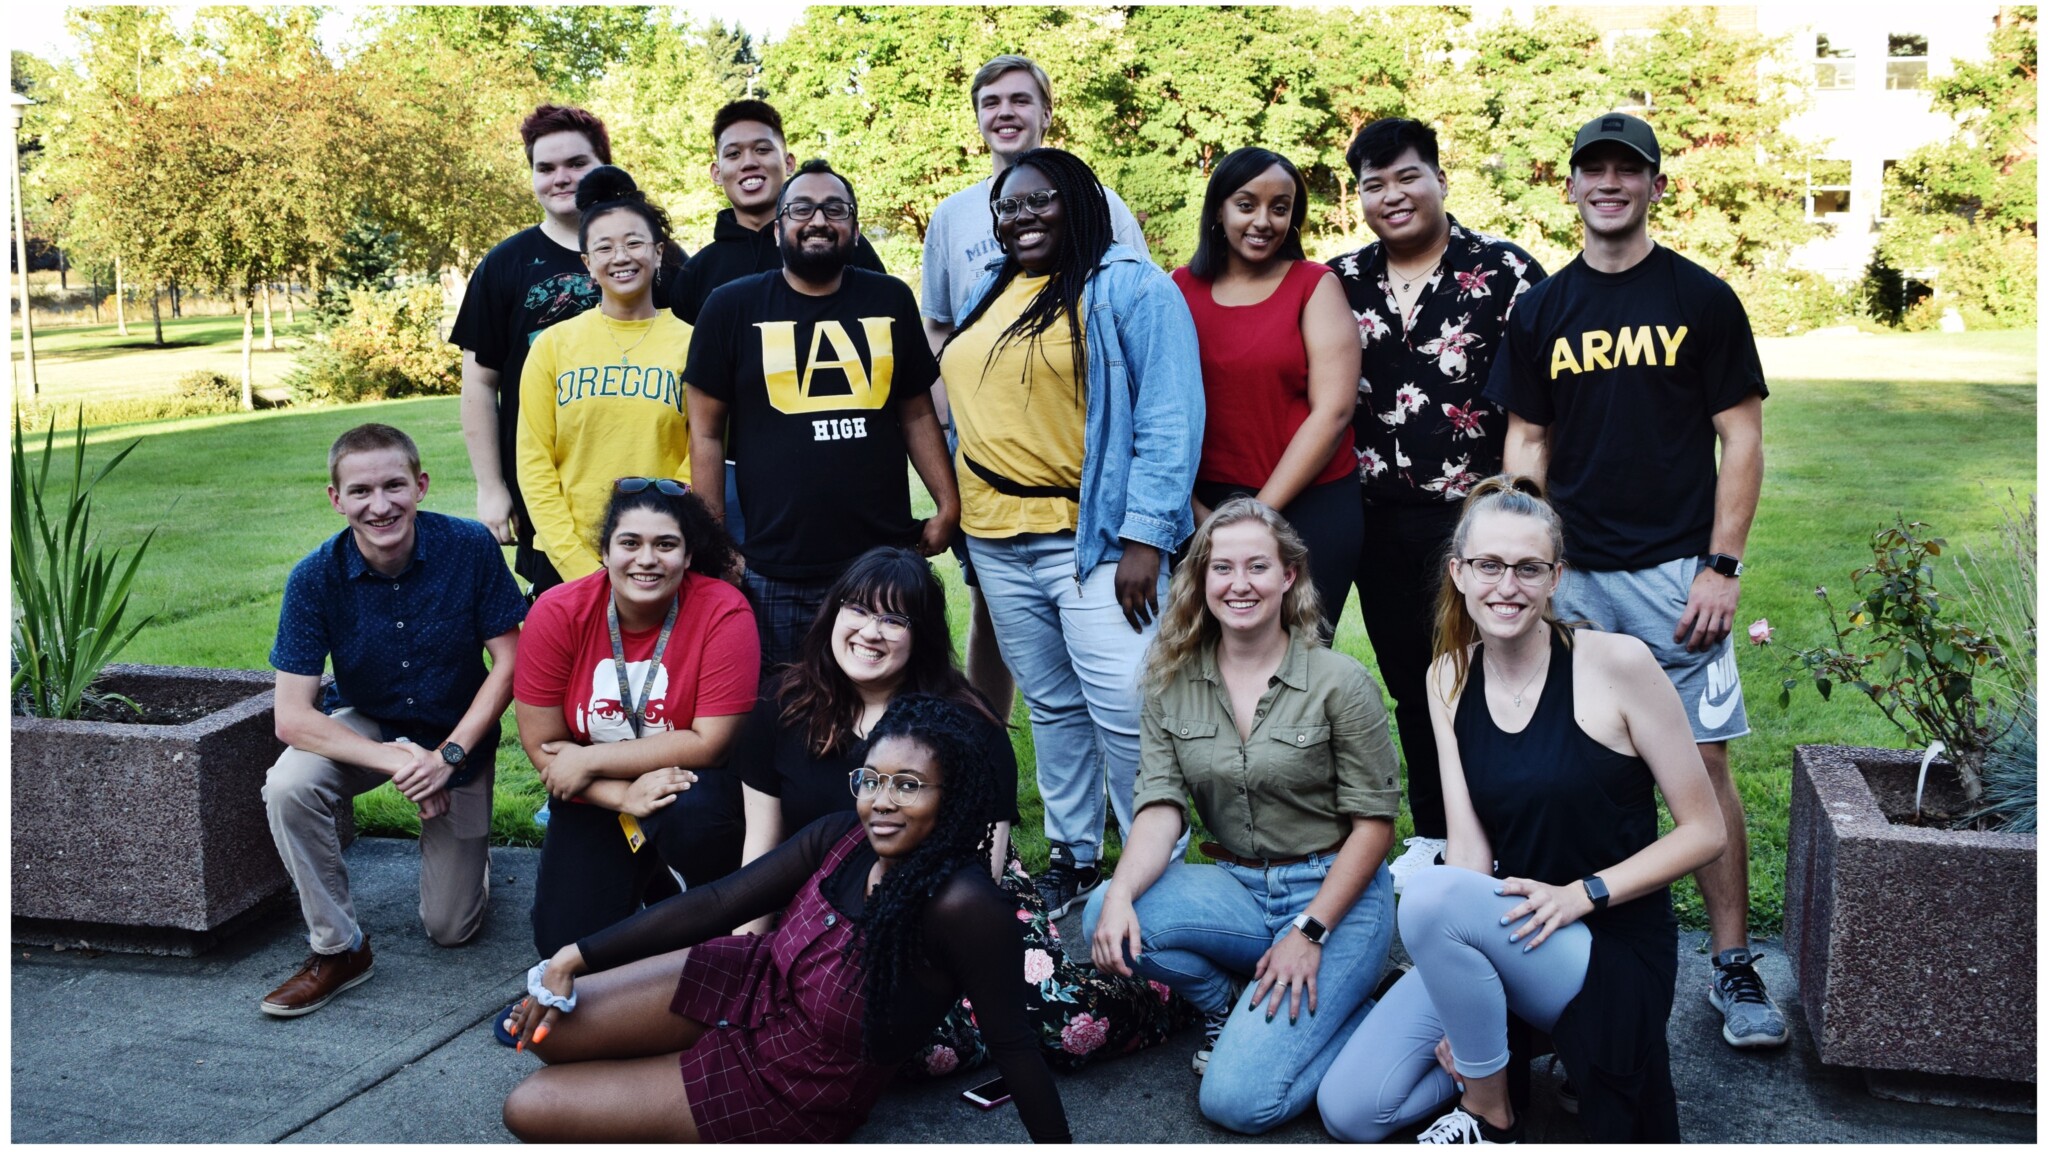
column 891, row 940
column 607, row 189
column 1087, row 234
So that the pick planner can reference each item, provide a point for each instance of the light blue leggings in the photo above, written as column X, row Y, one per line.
column 1467, row 978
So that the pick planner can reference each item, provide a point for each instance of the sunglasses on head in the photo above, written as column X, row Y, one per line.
column 631, row 484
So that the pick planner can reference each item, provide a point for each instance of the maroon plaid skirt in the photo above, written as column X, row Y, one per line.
column 782, row 1059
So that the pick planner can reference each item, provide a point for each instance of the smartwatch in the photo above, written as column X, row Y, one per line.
column 1723, row 563
column 1312, row 930
column 1596, row 891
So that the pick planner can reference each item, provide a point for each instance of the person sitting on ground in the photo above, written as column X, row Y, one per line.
column 1556, row 904
column 882, row 635
column 414, row 706
column 888, row 917
column 637, row 678
column 601, row 395
column 1282, row 744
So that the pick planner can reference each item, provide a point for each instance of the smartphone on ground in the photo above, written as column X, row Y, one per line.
column 986, row 1096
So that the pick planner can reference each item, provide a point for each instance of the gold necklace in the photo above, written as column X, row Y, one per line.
column 625, row 354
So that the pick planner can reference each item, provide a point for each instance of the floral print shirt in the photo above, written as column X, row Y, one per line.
column 1422, row 432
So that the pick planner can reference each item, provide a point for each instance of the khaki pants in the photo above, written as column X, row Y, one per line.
column 302, row 793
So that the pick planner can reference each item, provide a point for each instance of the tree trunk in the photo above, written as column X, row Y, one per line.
column 291, row 314
column 95, row 294
column 63, row 271
column 120, row 313
column 269, row 335
column 177, row 303
column 248, row 353
column 156, row 312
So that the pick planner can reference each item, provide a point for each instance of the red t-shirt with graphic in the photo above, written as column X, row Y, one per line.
column 712, row 665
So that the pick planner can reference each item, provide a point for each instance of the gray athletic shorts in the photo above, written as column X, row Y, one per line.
column 1646, row 603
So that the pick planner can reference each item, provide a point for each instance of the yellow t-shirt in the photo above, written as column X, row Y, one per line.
column 598, row 399
column 1020, row 414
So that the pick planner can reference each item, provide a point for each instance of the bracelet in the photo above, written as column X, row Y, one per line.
column 540, row 992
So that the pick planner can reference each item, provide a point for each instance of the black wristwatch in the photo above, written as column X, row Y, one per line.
column 1596, row 891
column 1312, row 930
column 1725, row 564
column 452, row 753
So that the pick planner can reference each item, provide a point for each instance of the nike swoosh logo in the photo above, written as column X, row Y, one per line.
column 1714, row 713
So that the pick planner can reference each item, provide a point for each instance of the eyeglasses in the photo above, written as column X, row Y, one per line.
column 634, row 248
column 890, row 624
column 1528, row 573
column 866, row 782
column 802, row 210
column 1008, row 207
column 628, row 485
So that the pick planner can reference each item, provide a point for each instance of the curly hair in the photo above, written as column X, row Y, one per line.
column 1455, row 633
column 891, row 937
column 814, row 691
column 711, row 551
column 1187, row 626
column 1087, row 235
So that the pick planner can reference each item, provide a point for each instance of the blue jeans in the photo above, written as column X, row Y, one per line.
column 1204, row 927
column 735, row 521
column 1076, row 659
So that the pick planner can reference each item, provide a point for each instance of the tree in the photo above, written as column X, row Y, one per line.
column 1964, row 212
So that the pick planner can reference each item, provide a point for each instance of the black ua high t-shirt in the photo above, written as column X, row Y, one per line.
column 1628, row 371
column 815, row 387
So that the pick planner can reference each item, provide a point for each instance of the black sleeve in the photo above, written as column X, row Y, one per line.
column 865, row 256
column 916, row 367
column 710, row 366
column 754, row 752
column 480, row 322
column 1732, row 370
column 687, row 297
column 975, row 936
column 767, row 885
column 1515, row 381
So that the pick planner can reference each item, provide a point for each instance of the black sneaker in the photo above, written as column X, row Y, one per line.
column 1461, row 1127
column 1212, row 1028
column 1064, row 882
column 1750, row 1018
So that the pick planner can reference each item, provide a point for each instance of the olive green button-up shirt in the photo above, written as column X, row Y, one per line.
column 1319, row 754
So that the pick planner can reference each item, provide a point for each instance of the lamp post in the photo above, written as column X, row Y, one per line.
column 16, row 105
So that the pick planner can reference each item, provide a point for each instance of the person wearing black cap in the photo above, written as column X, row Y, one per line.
column 1620, row 373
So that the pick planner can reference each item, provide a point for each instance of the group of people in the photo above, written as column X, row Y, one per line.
column 778, row 848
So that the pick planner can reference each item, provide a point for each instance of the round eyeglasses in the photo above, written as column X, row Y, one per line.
column 890, row 624
column 1528, row 573
column 1008, row 207
column 866, row 782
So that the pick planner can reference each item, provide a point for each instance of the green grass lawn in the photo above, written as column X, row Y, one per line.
column 239, row 499
column 96, row 364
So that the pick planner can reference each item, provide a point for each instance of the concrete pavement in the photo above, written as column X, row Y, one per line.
column 119, row 1048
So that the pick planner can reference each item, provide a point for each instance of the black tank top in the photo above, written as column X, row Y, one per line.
column 1558, row 805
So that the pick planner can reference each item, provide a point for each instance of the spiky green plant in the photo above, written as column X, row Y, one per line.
column 70, row 593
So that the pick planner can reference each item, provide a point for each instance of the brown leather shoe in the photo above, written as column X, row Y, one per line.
column 318, row 980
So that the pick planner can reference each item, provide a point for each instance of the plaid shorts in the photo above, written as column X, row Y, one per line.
column 784, row 611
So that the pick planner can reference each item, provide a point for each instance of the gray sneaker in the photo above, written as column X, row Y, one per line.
column 1752, row 1018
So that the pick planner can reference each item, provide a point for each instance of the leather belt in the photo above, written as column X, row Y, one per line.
column 1218, row 852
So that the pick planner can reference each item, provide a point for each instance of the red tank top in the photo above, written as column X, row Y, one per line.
column 1255, row 378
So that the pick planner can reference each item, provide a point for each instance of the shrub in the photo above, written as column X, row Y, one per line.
column 388, row 345
column 205, row 387
column 1786, row 303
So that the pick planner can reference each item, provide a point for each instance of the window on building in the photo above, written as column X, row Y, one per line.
column 1827, row 189
column 1905, row 65
column 1834, row 67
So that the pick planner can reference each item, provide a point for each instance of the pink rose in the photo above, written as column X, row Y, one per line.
column 1164, row 992
column 1083, row 1034
column 941, row 1060
column 1037, row 966
column 1023, row 916
column 1760, row 632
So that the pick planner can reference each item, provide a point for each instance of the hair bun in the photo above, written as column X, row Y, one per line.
column 605, row 183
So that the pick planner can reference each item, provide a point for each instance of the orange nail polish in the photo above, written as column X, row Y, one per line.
column 540, row 1034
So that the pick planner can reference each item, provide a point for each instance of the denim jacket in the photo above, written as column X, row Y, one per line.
column 1143, row 437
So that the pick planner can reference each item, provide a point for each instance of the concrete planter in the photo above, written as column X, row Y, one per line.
column 1914, row 946
column 147, row 837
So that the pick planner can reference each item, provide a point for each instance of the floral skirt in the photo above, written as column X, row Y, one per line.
column 1082, row 1015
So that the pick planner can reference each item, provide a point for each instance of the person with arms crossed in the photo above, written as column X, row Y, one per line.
column 1012, row 101
column 406, row 603
column 1620, row 374
column 1431, row 299
column 817, row 378
column 750, row 163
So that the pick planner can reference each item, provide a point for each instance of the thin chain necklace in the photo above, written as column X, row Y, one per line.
column 1540, row 670
column 625, row 353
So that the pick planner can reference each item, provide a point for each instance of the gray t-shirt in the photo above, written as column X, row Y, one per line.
column 962, row 240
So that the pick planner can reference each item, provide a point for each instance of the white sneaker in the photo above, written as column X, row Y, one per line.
column 1423, row 851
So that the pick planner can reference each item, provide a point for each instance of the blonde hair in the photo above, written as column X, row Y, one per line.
column 1002, row 66
column 1455, row 633
column 1186, row 626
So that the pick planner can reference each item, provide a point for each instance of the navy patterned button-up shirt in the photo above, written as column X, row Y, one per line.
column 1422, row 431
column 407, row 649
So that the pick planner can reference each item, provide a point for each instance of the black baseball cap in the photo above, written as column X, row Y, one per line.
column 1623, row 129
